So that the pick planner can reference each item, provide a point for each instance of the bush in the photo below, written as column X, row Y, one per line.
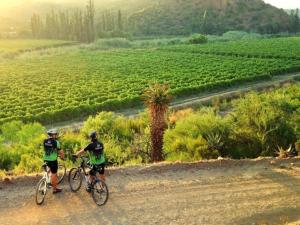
column 114, row 151
column 102, row 123
column 72, row 142
column 29, row 164
column 197, row 39
column 190, row 138
column 8, row 159
column 103, row 44
column 262, row 124
column 240, row 35
column 10, row 129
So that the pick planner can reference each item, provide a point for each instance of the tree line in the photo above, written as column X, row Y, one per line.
column 78, row 25
column 85, row 25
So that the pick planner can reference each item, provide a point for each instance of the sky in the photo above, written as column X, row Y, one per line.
column 285, row 4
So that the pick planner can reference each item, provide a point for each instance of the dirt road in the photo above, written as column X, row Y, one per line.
column 219, row 192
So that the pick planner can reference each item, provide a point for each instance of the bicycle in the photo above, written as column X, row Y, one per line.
column 45, row 182
column 99, row 189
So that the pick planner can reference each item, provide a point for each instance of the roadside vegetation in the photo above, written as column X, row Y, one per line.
column 254, row 125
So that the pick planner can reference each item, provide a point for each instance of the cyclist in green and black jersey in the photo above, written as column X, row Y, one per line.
column 52, row 150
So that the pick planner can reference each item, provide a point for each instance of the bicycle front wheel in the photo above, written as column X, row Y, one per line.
column 61, row 172
column 100, row 192
column 75, row 179
column 41, row 191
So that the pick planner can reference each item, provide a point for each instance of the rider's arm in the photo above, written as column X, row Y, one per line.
column 59, row 150
column 82, row 151
column 61, row 154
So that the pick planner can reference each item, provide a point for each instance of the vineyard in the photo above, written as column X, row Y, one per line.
column 79, row 82
column 264, row 48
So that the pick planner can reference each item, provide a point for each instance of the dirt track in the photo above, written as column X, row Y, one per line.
column 218, row 192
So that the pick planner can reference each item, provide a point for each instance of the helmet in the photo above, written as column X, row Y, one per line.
column 93, row 135
column 52, row 132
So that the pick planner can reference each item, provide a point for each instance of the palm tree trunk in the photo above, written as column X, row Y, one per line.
column 158, row 126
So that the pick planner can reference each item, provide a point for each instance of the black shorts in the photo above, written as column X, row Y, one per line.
column 97, row 168
column 53, row 165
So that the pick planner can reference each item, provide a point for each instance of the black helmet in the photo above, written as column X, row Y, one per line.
column 93, row 135
column 52, row 132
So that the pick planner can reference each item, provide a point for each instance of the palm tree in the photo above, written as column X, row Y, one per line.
column 157, row 98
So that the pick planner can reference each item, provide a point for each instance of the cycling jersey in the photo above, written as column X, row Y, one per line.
column 51, row 148
column 96, row 152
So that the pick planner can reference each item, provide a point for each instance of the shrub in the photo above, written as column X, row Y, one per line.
column 197, row 39
column 31, row 133
column 109, row 43
column 10, row 129
column 262, row 123
column 189, row 138
column 8, row 159
column 29, row 164
column 72, row 141
column 102, row 123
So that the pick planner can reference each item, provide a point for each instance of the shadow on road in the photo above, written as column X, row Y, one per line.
column 281, row 215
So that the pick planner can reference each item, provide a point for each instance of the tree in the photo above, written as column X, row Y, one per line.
column 36, row 26
column 90, row 21
column 295, row 21
column 157, row 98
column 120, row 22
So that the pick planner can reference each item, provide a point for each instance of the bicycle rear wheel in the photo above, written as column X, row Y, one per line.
column 100, row 192
column 75, row 179
column 41, row 191
column 61, row 172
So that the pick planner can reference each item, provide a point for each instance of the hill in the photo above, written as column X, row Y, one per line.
column 172, row 17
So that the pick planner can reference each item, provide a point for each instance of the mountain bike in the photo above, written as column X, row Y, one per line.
column 45, row 183
column 98, row 187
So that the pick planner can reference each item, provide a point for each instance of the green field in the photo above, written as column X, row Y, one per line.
column 78, row 82
column 10, row 46
column 269, row 48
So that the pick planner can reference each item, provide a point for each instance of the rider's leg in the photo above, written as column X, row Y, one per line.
column 54, row 180
column 102, row 173
column 102, row 177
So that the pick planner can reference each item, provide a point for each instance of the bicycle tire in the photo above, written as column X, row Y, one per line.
column 103, row 189
column 75, row 173
column 41, row 183
column 61, row 178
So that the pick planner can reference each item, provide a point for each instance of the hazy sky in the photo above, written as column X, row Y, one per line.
column 286, row 4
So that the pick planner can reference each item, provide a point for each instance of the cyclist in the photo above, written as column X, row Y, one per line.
column 52, row 151
column 96, row 158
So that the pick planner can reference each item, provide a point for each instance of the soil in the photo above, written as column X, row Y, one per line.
column 262, row 191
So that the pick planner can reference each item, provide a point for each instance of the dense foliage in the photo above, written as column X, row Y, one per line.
column 257, row 125
column 270, row 48
column 78, row 82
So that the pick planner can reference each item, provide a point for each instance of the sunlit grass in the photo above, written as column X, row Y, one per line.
column 8, row 46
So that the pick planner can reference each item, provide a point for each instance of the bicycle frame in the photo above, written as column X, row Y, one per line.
column 82, row 170
column 47, row 174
